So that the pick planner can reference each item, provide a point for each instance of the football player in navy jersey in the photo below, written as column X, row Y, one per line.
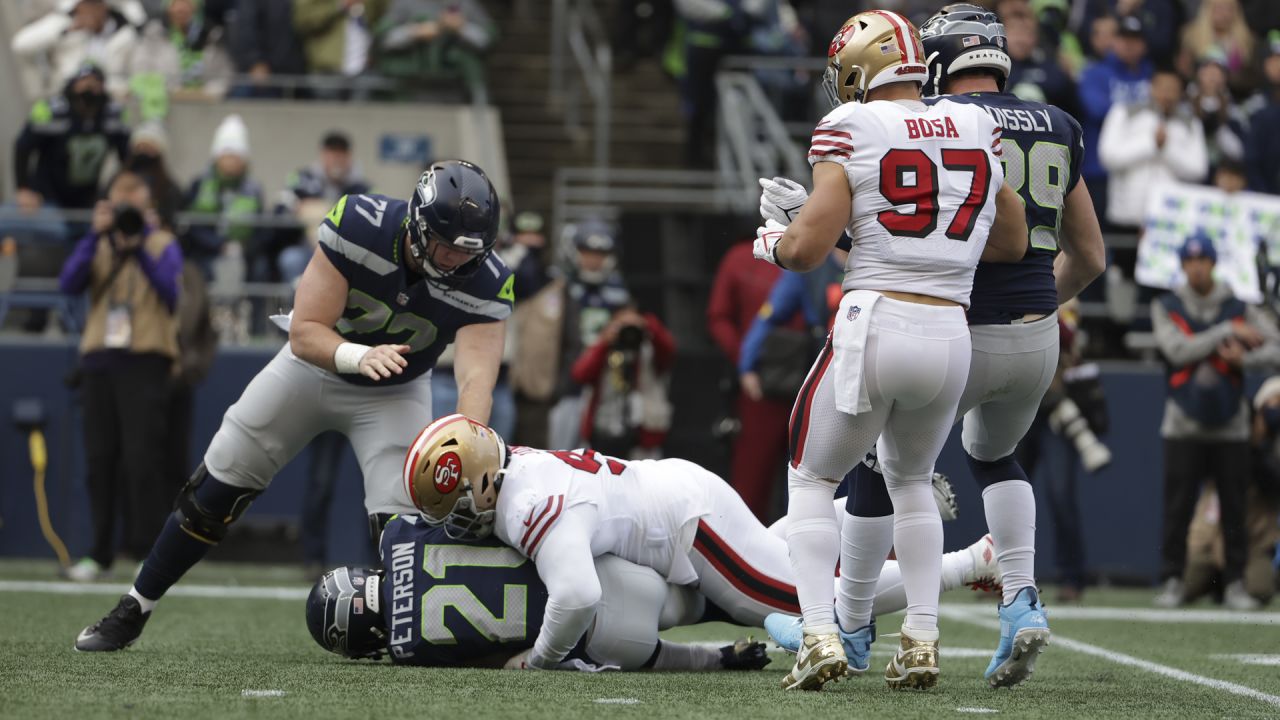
column 391, row 284
column 445, row 602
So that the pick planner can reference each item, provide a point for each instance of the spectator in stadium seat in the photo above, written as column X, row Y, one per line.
column 434, row 39
column 225, row 189
column 1148, row 145
column 713, row 29
column 182, row 52
column 334, row 174
column 1207, row 338
column 739, row 291
column 626, row 412
column 57, row 162
column 1225, row 123
column 1219, row 29
column 337, row 36
column 130, row 270
column 264, row 43
column 1122, row 77
column 1263, row 146
column 1035, row 74
column 83, row 31
column 59, row 155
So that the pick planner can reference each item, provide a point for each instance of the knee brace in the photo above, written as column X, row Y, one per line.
column 987, row 474
column 205, row 510
column 868, row 495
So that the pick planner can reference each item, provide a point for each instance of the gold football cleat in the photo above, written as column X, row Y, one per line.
column 819, row 661
column 914, row 666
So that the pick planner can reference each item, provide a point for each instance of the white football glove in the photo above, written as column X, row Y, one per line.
column 521, row 662
column 766, row 243
column 781, row 199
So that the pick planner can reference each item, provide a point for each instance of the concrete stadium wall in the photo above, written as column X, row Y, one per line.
column 1121, row 505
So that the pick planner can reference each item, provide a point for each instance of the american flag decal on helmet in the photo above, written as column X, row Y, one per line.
column 971, row 40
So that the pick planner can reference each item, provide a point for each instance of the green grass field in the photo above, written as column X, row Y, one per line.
column 207, row 657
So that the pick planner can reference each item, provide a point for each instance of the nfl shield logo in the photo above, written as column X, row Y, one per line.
column 854, row 311
column 971, row 41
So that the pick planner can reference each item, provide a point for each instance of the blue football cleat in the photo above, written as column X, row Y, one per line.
column 857, row 647
column 1024, row 634
column 785, row 630
column 788, row 632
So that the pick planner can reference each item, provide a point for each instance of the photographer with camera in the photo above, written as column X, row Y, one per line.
column 1207, row 337
column 626, row 412
column 130, row 270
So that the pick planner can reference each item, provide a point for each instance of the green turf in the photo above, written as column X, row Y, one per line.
column 199, row 655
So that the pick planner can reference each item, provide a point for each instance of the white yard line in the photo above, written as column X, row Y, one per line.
column 1122, row 659
column 1143, row 615
column 196, row 591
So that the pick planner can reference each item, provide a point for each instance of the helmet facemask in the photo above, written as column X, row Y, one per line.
column 425, row 243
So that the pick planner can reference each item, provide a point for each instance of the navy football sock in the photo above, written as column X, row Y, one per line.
column 868, row 495
column 176, row 551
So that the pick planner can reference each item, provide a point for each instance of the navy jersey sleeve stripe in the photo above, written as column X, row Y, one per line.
column 364, row 257
column 470, row 304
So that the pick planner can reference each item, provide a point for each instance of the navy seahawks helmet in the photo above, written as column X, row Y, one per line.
column 455, row 206
column 344, row 613
column 962, row 37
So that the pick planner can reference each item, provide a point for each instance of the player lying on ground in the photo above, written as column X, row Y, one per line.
column 684, row 549
column 391, row 284
column 1012, row 322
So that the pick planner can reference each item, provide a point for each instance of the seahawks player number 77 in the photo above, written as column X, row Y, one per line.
column 391, row 284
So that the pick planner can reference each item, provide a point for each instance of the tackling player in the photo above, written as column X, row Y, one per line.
column 671, row 521
column 920, row 191
column 1012, row 323
column 391, row 284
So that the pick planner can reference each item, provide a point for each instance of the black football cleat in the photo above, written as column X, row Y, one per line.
column 744, row 655
column 117, row 630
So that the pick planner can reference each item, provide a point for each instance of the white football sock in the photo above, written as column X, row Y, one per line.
column 917, row 541
column 864, row 544
column 892, row 597
column 682, row 657
column 147, row 605
column 813, row 543
column 1010, row 507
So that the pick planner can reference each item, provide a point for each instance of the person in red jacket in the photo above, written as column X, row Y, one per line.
column 627, row 412
column 740, row 288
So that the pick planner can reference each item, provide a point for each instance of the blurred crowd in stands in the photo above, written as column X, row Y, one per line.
column 151, row 49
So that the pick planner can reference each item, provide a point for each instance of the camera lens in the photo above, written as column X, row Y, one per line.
column 128, row 220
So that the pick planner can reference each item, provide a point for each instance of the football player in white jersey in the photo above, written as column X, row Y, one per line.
column 565, row 509
column 920, row 190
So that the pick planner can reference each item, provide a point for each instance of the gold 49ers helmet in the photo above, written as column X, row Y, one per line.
column 873, row 48
column 453, row 472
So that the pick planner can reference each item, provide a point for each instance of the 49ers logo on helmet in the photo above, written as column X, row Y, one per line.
column 448, row 470
column 841, row 39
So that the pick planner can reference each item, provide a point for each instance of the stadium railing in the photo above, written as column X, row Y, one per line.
column 578, row 33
